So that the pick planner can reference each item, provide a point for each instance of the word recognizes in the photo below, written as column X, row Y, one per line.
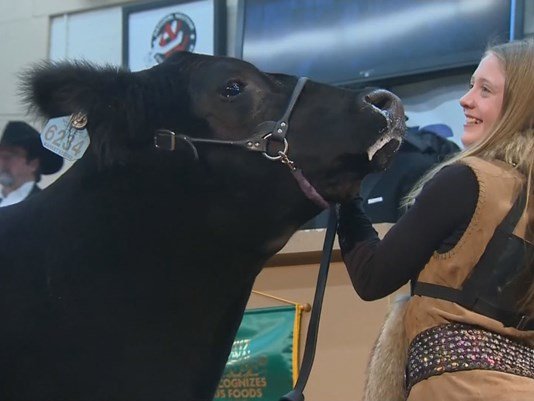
column 236, row 386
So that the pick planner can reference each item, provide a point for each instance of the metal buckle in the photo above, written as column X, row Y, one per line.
column 278, row 156
column 165, row 139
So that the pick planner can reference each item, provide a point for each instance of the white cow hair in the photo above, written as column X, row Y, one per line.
column 385, row 372
column 379, row 144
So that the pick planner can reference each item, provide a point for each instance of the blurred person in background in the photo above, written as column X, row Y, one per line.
column 23, row 160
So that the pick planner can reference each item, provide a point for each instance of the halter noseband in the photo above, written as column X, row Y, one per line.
column 264, row 133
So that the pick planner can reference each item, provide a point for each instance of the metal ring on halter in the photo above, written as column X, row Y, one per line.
column 278, row 157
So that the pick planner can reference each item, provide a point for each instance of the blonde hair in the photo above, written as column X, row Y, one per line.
column 511, row 139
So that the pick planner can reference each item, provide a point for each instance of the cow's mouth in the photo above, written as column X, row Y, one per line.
column 382, row 151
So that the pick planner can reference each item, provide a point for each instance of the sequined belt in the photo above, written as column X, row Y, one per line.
column 455, row 347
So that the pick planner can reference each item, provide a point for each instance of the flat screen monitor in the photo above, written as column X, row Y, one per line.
column 352, row 41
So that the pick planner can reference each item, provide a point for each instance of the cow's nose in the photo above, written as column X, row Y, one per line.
column 386, row 101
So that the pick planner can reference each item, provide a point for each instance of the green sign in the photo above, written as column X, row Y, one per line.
column 263, row 363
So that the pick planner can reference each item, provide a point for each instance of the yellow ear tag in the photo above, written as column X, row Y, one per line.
column 67, row 136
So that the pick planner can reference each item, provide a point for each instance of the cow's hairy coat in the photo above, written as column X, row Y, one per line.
column 127, row 278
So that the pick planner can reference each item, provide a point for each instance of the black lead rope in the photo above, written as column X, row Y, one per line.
column 297, row 394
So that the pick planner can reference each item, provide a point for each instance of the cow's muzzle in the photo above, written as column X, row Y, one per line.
column 389, row 106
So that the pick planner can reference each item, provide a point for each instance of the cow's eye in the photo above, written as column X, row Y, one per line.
column 231, row 89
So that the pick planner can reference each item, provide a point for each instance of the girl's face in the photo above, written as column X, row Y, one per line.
column 482, row 104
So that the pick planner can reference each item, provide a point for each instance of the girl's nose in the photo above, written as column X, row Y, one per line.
column 466, row 101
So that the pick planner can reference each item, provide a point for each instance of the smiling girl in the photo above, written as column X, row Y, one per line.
column 482, row 104
column 467, row 246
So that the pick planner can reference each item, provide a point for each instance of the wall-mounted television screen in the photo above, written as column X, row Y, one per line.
column 352, row 41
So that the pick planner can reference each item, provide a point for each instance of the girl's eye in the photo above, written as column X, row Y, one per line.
column 231, row 89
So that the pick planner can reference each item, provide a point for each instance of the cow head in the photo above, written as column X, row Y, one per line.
column 335, row 135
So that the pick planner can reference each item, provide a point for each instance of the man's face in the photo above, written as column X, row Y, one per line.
column 15, row 168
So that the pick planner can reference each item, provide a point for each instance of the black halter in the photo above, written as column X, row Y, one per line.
column 264, row 133
column 257, row 142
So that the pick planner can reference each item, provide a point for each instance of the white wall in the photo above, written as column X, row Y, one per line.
column 25, row 31
column 24, row 39
column 91, row 35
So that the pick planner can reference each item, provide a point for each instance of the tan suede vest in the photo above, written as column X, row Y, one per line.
column 499, row 185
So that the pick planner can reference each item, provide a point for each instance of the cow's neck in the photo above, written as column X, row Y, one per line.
column 181, row 238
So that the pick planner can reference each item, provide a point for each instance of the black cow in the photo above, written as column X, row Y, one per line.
column 127, row 278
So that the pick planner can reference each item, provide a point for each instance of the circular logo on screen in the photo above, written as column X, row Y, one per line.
column 175, row 32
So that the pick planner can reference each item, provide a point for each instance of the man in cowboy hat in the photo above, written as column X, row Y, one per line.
column 22, row 161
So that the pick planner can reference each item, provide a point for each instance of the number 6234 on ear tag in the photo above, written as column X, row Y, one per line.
column 62, row 137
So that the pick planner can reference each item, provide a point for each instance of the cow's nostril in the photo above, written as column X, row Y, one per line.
column 382, row 99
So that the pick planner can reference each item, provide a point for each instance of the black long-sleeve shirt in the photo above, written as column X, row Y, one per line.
column 435, row 223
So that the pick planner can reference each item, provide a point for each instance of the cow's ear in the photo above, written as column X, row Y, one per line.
column 102, row 93
column 57, row 89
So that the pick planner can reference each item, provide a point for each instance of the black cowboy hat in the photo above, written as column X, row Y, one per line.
column 20, row 134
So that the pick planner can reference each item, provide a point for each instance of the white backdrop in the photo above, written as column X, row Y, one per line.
column 92, row 35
